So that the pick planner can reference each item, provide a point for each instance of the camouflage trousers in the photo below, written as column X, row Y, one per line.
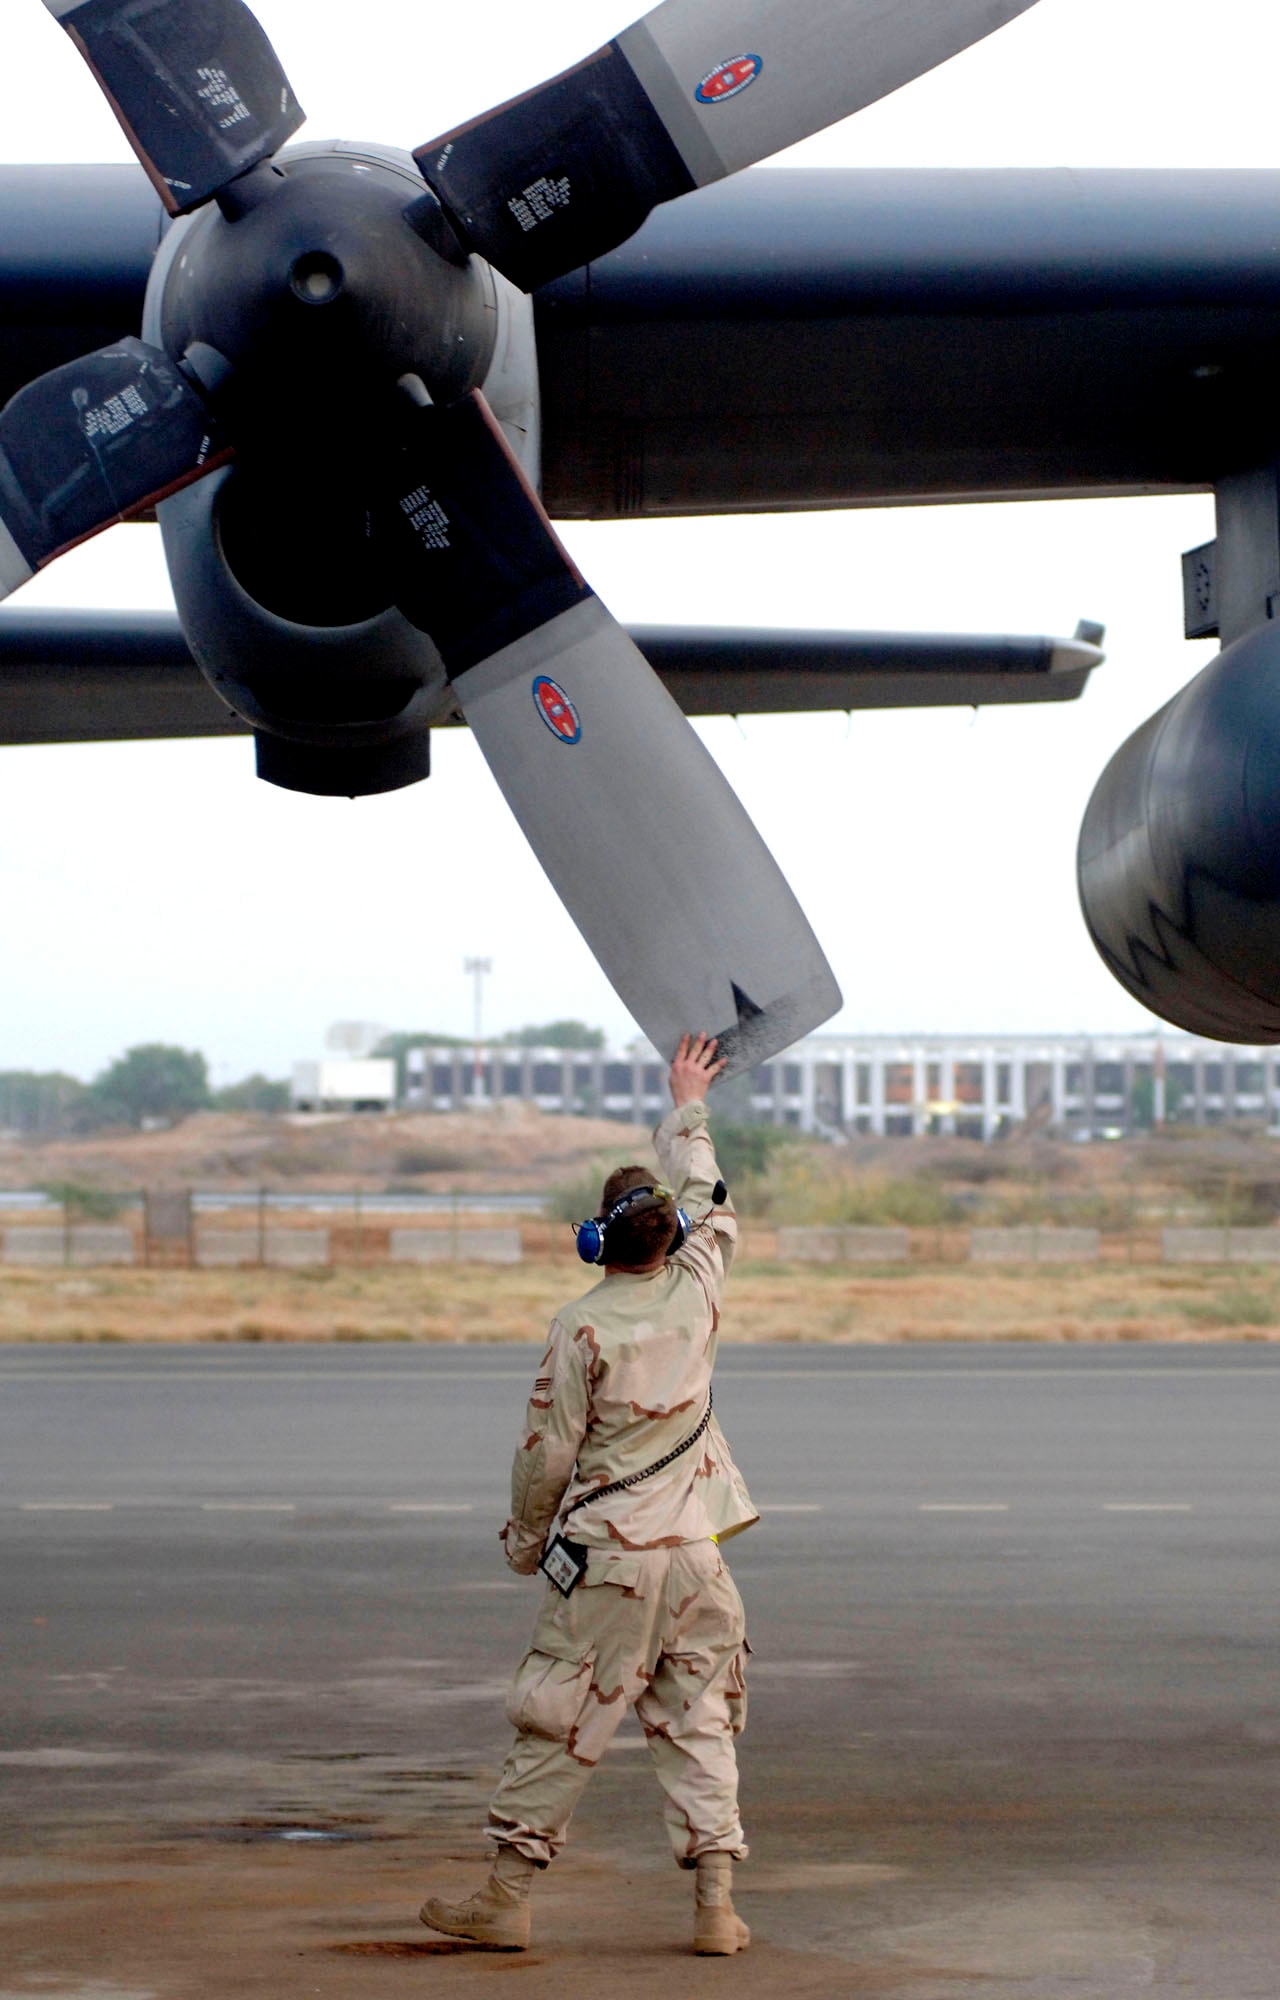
column 661, row 1630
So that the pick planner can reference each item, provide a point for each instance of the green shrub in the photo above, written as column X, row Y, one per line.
column 745, row 1151
column 1236, row 1306
column 84, row 1202
column 428, row 1160
column 802, row 1189
column 573, row 1200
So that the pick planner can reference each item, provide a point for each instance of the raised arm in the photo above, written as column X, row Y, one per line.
column 688, row 1161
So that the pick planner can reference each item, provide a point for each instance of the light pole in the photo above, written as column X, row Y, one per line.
column 478, row 968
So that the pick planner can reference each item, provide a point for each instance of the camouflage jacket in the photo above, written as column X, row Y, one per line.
column 625, row 1379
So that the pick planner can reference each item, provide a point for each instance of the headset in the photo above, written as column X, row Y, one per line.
column 591, row 1234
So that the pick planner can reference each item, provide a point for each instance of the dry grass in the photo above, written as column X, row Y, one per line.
column 514, row 1146
column 938, row 1188
column 767, row 1302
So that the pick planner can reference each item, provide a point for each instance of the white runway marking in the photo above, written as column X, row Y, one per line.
column 247, row 1507
column 67, row 1506
column 791, row 1507
column 1146, row 1507
column 964, row 1506
column 426, row 1379
column 429, row 1507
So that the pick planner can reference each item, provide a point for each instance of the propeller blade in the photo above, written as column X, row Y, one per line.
column 89, row 444
column 647, row 846
column 196, row 85
column 691, row 92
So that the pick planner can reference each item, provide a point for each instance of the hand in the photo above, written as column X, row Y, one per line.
column 694, row 1068
column 524, row 1561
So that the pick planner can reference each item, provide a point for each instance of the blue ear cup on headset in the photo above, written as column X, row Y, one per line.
column 591, row 1234
column 590, row 1241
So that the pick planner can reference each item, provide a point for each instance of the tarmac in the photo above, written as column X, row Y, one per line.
column 1015, row 1718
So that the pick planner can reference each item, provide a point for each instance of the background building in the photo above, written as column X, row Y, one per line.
column 977, row 1086
column 341, row 1083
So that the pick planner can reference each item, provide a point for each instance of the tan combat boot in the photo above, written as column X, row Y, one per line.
column 497, row 1915
column 717, row 1928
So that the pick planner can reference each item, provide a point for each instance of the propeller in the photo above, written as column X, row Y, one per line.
column 196, row 85
column 693, row 91
column 642, row 838
column 376, row 557
column 92, row 443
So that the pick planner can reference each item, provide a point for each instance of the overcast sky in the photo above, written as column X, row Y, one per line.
column 159, row 892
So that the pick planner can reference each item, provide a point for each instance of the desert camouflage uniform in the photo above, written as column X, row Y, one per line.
column 657, row 1621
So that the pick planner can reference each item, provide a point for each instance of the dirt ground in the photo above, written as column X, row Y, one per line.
column 939, row 1188
column 513, row 1146
column 156, row 1921
column 767, row 1302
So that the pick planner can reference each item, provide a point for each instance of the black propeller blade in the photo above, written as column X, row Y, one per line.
column 89, row 444
column 196, row 86
column 643, row 839
column 693, row 91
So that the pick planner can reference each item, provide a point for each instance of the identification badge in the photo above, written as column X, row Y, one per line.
column 564, row 1564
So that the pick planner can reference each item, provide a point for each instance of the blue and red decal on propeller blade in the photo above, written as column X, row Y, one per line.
column 728, row 79
column 556, row 710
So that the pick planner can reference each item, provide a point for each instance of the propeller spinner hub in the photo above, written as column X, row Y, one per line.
column 324, row 273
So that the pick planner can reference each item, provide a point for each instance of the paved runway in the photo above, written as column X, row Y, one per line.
column 1015, row 1713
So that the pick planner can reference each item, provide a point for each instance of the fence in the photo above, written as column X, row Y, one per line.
column 845, row 1245
column 1032, row 1244
column 180, row 1229
column 299, row 1232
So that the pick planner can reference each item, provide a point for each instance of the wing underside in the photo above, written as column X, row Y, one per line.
column 97, row 676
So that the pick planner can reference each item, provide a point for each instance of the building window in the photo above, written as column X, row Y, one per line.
column 1108, row 1079
column 828, row 1084
column 1251, row 1079
column 898, row 1127
column 1213, row 1079
column 652, row 1080
column 547, row 1078
column 792, row 1079
column 969, row 1083
column 863, row 1083
column 1073, row 1080
column 1180, row 1093
column 762, row 1078
column 617, row 1079
column 899, row 1083
column 512, row 1079
column 1004, row 1083
column 442, row 1079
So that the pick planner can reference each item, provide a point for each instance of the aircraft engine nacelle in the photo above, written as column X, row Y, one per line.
column 308, row 305
column 343, row 709
column 1179, row 856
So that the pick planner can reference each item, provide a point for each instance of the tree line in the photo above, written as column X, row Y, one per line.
column 153, row 1080
column 156, row 1080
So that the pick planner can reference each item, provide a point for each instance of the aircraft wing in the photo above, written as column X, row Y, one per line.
column 99, row 676
column 799, row 339
column 796, row 339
